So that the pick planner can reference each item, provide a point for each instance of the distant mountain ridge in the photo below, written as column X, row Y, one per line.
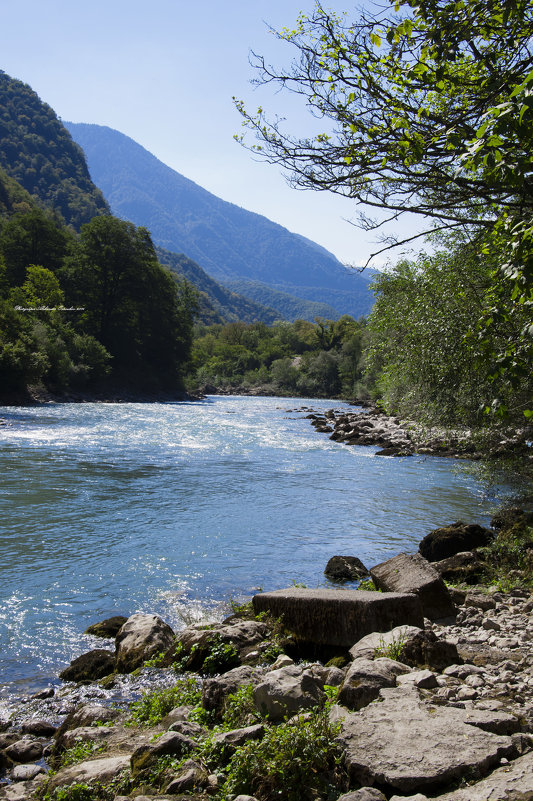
column 227, row 241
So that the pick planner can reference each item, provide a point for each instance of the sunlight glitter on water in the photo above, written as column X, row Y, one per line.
column 116, row 508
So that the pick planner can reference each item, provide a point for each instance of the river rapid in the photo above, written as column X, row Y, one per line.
column 176, row 507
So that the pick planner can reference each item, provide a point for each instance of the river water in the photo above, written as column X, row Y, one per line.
column 115, row 508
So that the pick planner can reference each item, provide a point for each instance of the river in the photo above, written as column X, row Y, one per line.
column 174, row 507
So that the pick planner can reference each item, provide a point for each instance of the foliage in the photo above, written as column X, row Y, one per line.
column 428, row 362
column 153, row 706
column 508, row 561
column 295, row 760
column 79, row 752
column 426, row 108
column 323, row 359
column 38, row 152
column 392, row 649
column 221, row 656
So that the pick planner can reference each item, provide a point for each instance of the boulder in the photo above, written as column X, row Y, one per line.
column 286, row 691
column 339, row 617
column 411, row 573
column 465, row 567
column 365, row 678
column 91, row 666
column 228, row 741
column 345, row 568
column 24, row 773
column 39, row 728
column 424, row 648
column 93, row 770
column 108, row 628
column 169, row 744
column 384, row 642
column 407, row 745
column 191, row 776
column 216, row 690
column 449, row 540
column 25, row 751
column 86, row 715
column 140, row 638
column 364, row 794
column 512, row 782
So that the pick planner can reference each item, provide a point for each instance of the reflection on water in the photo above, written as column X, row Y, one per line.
column 115, row 508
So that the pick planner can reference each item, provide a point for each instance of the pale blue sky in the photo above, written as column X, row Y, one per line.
column 164, row 72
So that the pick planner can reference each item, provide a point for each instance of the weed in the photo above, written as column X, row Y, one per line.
column 367, row 584
column 156, row 661
column 222, row 656
column 153, row 706
column 79, row 753
column 392, row 650
column 291, row 761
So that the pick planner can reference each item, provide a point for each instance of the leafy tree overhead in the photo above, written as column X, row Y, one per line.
column 427, row 108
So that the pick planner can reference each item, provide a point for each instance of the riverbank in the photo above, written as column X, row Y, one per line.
column 256, row 707
column 396, row 437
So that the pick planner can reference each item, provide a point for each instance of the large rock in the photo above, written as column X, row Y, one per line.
column 287, row 691
column 411, row 573
column 383, row 642
column 93, row 770
column 464, row 567
column 345, row 568
column 107, row 628
column 216, row 690
column 140, row 638
column 84, row 716
column 169, row 744
column 513, row 782
column 365, row 678
column 405, row 744
column 91, row 666
column 339, row 617
column 449, row 540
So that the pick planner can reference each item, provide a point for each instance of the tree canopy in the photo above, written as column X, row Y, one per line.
column 427, row 107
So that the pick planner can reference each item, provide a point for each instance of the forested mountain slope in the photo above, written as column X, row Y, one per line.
column 227, row 241
column 39, row 153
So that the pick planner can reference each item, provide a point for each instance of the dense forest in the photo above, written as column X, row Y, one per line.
column 321, row 359
column 94, row 311
column 39, row 153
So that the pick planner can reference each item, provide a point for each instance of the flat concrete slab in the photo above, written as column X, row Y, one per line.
column 340, row 617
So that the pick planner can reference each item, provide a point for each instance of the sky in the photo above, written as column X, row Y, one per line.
column 164, row 73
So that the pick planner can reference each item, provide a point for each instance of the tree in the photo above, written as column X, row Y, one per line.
column 133, row 306
column 427, row 108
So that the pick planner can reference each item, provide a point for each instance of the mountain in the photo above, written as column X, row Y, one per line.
column 228, row 242
column 217, row 303
column 38, row 152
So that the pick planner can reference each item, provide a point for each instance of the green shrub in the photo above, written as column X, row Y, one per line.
column 293, row 761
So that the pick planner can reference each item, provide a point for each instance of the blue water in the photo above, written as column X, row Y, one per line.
column 116, row 508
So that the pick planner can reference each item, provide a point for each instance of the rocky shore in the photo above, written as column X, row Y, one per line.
column 406, row 689
column 397, row 437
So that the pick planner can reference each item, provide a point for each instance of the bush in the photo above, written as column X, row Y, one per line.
column 292, row 762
